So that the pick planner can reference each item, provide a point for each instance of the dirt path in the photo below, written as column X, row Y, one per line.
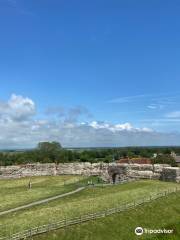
column 41, row 201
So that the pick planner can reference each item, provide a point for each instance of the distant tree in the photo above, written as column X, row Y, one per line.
column 84, row 156
column 49, row 146
column 145, row 153
column 130, row 154
column 165, row 159
column 108, row 159
column 53, row 152
column 166, row 151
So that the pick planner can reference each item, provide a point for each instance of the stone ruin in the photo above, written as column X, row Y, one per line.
column 164, row 172
column 117, row 174
column 109, row 172
column 170, row 174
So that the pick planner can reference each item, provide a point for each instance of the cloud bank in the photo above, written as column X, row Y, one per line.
column 21, row 128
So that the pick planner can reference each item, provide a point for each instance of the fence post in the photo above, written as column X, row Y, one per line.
column 30, row 233
column 106, row 211
column 49, row 227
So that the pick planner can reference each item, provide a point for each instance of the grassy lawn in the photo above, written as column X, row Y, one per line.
column 162, row 213
column 15, row 192
column 87, row 201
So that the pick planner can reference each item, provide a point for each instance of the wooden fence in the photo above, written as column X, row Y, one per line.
column 78, row 220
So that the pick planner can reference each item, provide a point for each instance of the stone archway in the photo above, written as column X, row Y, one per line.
column 117, row 173
column 114, row 176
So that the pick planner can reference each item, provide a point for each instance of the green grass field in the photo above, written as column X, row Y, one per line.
column 88, row 201
column 161, row 213
column 15, row 192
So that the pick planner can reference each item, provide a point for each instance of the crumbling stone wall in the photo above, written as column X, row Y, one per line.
column 143, row 171
column 27, row 170
column 107, row 171
column 171, row 174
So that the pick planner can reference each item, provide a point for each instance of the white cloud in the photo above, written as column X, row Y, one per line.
column 98, row 125
column 20, row 128
column 128, row 98
column 17, row 108
column 155, row 106
column 69, row 115
column 125, row 126
column 152, row 106
column 117, row 127
column 174, row 114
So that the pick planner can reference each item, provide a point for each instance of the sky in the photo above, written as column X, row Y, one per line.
column 89, row 73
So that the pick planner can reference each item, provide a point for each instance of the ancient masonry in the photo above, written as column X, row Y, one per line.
column 112, row 172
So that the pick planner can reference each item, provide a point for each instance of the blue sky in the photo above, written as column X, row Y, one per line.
column 109, row 62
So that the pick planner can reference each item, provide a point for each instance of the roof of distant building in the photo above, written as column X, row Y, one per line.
column 138, row 160
column 177, row 159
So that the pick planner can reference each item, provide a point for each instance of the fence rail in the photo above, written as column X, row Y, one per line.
column 77, row 220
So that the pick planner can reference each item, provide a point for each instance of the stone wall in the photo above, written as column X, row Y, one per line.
column 105, row 170
column 39, row 169
column 27, row 170
column 171, row 174
column 146, row 171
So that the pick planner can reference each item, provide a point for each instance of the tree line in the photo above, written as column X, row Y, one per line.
column 52, row 152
